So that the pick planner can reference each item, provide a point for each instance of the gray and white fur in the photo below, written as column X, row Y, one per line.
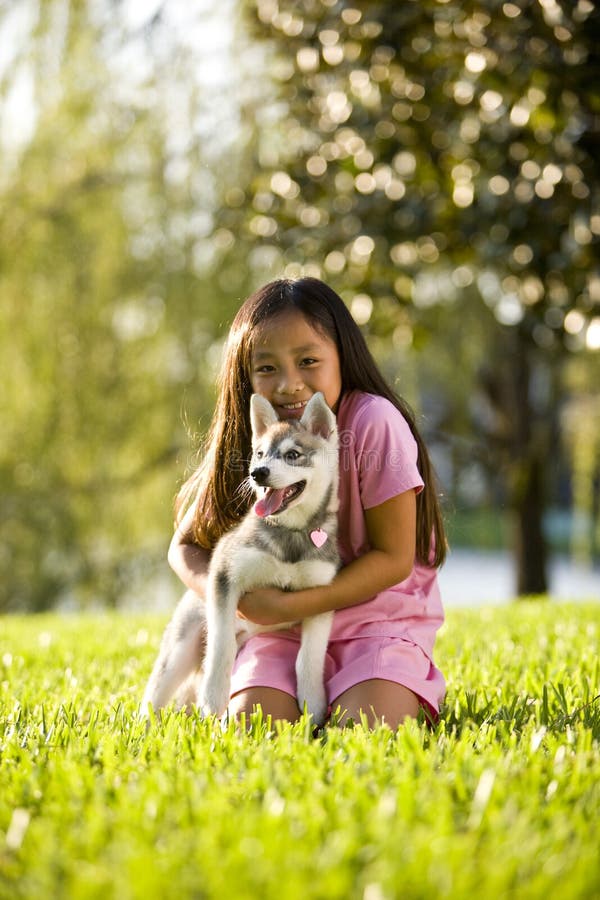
column 288, row 541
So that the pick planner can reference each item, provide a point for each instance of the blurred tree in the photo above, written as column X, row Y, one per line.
column 438, row 160
column 79, row 326
column 106, row 310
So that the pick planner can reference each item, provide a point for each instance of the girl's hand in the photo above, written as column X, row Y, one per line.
column 266, row 606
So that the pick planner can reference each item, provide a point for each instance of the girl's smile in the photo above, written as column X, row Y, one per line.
column 291, row 361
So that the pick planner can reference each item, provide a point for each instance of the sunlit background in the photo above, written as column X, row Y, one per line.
column 436, row 162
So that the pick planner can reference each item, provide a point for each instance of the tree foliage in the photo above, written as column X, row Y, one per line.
column 419, row 136
column 105, row 313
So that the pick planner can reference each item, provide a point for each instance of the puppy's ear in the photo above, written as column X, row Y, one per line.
column 317, row 417
column 262, row 415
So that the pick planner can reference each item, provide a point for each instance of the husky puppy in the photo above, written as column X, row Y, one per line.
column 288, row 540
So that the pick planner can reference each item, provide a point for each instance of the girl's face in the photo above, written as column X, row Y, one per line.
column 291, row 361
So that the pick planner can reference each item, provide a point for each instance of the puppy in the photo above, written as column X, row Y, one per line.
column 287, row 540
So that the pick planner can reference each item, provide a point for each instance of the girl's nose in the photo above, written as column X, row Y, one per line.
column 290, row 382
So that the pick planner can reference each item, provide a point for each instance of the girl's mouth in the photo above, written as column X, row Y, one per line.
column 292, row 407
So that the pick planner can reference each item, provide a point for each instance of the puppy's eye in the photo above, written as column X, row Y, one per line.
column 292, row 455
column 259, row 454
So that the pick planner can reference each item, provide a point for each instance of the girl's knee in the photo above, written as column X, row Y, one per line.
column 379, row 701
column 275, row 703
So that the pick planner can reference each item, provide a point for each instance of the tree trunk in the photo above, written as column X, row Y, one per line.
column 530, row 543
column 529, row 442
column 520, row 394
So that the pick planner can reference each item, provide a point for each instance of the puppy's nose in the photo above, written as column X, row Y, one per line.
column 260, row 475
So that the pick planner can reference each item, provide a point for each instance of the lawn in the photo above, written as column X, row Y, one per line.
column 500, row 799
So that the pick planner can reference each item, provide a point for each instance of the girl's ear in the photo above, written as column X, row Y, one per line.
column 262, row 415
column 317, row 417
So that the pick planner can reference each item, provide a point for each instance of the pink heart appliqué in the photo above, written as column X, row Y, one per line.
column 318, row 537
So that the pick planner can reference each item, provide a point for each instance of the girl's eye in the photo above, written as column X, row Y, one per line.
column 292, row 455
column 263, row 370
column 309, row 361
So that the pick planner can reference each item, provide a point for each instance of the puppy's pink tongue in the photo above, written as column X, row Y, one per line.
column 270, row 503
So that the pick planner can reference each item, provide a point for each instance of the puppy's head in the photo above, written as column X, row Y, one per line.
column 294, row 463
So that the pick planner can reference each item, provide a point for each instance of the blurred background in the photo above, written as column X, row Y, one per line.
column 435, row 161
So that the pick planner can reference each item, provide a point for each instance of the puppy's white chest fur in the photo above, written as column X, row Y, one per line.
column 253, row 568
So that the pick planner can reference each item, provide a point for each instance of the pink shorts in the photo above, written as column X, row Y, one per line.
column 268, row 660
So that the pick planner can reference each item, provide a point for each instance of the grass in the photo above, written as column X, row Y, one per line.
column 500, row 799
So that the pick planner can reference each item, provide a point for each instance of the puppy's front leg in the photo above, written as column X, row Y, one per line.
column 221, row 645
column 310, row 665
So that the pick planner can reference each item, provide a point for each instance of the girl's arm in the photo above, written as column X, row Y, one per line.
column 186, row 558
column 391, row 529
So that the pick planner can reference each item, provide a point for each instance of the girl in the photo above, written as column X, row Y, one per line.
column 289, row 340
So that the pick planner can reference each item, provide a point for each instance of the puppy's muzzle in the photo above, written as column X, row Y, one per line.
column 261, row 475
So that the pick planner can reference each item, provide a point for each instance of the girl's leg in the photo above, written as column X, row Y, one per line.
column 378, row 700
column 274, row 703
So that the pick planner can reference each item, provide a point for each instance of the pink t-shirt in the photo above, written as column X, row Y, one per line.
column 378, row 460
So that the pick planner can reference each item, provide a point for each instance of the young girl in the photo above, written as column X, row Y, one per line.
column 289, row 340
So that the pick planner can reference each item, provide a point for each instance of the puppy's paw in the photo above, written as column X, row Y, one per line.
column 148, row 706
column 213, row 697
column 316, row 704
